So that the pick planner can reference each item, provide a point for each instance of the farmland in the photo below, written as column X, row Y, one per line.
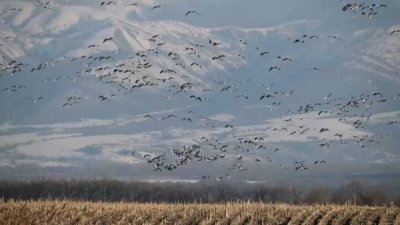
column 69, row 212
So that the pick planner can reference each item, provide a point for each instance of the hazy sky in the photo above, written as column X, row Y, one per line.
column 365, row 60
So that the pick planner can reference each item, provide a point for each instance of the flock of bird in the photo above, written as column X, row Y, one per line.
column 366, row 10
column 125, row 76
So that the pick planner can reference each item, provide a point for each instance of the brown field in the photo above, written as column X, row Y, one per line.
column 235, row 213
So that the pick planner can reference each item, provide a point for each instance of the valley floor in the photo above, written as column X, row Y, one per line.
column 60, row 212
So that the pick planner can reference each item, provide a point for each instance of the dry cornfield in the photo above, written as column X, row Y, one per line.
column 60, row 212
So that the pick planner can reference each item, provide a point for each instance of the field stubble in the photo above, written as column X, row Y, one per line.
column 60, row 212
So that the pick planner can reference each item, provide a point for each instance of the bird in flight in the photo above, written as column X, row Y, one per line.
column 70, row 103
column 261, row 53
column 53, row 64
column 93, row 46
column 268, row 87
column 132, row 4
column 218, row 57
column 284, row 58
column 69, row 61
column 168, row 97
column 299, row 41
column 74, row 98
column 187, row 119
column 13, row 9
column 35, row 100
column 301, row 168
column 283, row 167
column 395, row 31
column 241, row 41
column 323, row 130
column 289, row 94
column 244, row 83
column 107, row 3
column 237, row 69
column 150, row 116
column 266, row 96
column 238, row 55
column 45, row 80
column 44, row 5
column 315, row 68
column 243, row 96
column 214, row 43
column 107, row 39
column 169, row 116
column 155, row 7
column 191, row 11
column 324, row 144
column 369, row 15
column 335, row 37
column 75, row 79
column 195, row 64
column 274, row 67
column 155, row 50
column 196, row 98
column 106, row 98
column 326, row 98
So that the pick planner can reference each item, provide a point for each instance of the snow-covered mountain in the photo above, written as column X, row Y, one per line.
column 364, row 59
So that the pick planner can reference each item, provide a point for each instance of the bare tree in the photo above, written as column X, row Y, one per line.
column 205, row 192
column 223, row 192
column 317, row 196
column 365, row 196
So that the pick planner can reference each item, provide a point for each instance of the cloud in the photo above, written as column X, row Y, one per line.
column 60, row 127
column 224, row 117
column 55, row 164
column 385, row 117
column 108, row 145
column 87, row 123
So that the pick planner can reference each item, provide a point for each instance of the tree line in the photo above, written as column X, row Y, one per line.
column 107, row 190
